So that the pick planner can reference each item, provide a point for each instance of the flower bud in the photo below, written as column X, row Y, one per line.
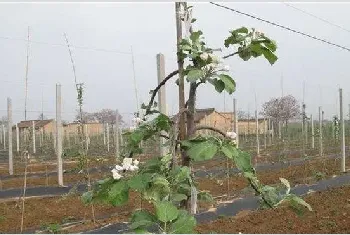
column 204, row 56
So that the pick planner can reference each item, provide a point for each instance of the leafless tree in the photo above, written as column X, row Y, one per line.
column 42, row 117
column 3, row 120
column 103, row 116
column 242, row 114
column 281, row 109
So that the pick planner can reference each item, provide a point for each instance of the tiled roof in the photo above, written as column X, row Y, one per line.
column 38, row 123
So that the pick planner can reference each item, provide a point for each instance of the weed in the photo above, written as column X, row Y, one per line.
column 68, row 219
column 319, row 175
column 51, row 228
column 2, row 218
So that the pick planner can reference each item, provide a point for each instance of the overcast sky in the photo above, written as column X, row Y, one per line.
column 150, row 29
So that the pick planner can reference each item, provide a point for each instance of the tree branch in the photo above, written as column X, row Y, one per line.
column 155, row 91
column 227, row 56
column 203, row 127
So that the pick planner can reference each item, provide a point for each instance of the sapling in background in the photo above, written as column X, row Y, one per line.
column 166, row 183
column 82, row 146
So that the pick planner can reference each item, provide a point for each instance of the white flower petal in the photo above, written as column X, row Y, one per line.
column 136, row 162
column 204, row 56
column 127, row 161
column 118, row 167
column 231, row 135
column 117, row 176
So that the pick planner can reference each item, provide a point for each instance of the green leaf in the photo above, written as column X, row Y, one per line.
column 140, row 231
column 219, row 85
column 87, row 197
column 299, row 200
column 119, row 193
column 261, row 49
column 166, row 211
column 162, row 122
column 140, row 224
column 270, row 44
column 243, row 161
column 240, row 30
column 178, row 197
column 161, row 181
column 140, row 181
column 159, row 189
column 229, row 150
column 245, row 54
column 185, row 189
column 203, row 151
column 194, row 74
column 142, row 219
column 195, row 35
column 183, row 174
column 151, row 166
column 236, row 36
column 230, row 85
column 270, row 194
column 205, row 196
column 270, row 56
column 184, row 224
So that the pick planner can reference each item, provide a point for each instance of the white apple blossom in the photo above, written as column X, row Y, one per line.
column 116, row 174
column 226, row 68
column 215, row 59
column 133, row 168
column 204, row 56
column 231, row 135
column 127, row 161
column 136, row 162
column 127, row 165
column 119, row 168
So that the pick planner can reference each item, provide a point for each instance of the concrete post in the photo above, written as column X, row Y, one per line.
column 4, row 135
column 59, row 134
column 107, row 127
column 1, row 135
column 265, row 133
column 116, row 134
column 320, row 124
column 17, row 138
column 161, row 97
column 342, row 130
column 257, row 134
column 312, row 133
column 104, row 134
column 41, row 136
column 33, row 137
column 9, row 127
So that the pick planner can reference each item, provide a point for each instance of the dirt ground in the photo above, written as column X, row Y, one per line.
column 311, row 172
column 58, row 210
column 326, row 217
column 42, row 167
column 51, row 180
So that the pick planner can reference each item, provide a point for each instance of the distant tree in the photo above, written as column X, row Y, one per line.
column 3, row 120
column 281, row 109
column 103, row 116
column 242, row 114
column 42, row 117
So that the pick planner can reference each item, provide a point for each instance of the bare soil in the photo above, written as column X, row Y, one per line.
column 58, row 210
column 310, row 172
column 326, row 217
